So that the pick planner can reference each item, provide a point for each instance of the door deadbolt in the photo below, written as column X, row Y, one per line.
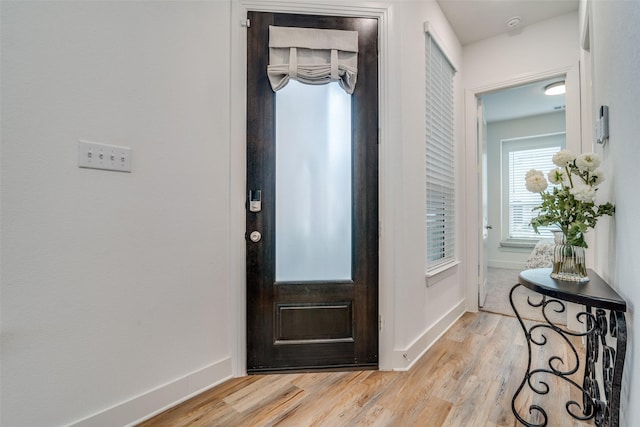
column 255, row 200
column 255, row 236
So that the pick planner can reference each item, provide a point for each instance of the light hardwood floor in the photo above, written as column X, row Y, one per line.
column 466, row 379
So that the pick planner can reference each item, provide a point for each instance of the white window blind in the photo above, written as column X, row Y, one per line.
column 518, row 157
column 440, row 170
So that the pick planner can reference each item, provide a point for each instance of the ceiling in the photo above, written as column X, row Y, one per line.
column 475, row 20
column 522, row 101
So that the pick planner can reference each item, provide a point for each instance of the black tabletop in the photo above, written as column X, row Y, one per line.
column 595, row 293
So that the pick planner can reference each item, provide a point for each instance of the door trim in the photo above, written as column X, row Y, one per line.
column 574, row 131
column 237, row 154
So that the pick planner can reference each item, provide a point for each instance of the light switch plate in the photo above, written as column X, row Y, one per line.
column 94, row 155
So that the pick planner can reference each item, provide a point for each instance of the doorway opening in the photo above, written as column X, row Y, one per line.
column 519, row 128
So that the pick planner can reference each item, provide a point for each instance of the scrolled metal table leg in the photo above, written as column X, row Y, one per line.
column 619, row 332
column 590, row 405
column 527, row 374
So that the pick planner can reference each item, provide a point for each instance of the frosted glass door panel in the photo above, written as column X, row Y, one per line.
column 313, row 183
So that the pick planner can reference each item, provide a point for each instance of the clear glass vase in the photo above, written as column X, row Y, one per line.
column 568, row 261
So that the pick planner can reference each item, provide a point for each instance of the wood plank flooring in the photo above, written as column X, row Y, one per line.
column 466, row 379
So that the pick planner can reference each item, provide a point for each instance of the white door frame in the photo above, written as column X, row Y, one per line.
column 237, row 276
column 574, row 137
column 482, row 210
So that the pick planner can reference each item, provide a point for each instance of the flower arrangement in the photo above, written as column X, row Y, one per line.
column 571, row 206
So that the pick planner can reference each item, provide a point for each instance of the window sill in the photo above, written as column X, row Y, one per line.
column 439, row 273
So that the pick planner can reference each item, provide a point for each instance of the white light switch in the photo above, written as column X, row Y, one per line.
column 93, row 155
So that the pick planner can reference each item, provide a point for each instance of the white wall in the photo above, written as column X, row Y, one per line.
column 420, row 313
column 534, row 49
column 114, row 285
column 509, row 257
column 546, row 49
column 615, row 50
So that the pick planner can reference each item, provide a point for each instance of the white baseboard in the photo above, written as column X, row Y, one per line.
column 153, row 402
column 404, row 359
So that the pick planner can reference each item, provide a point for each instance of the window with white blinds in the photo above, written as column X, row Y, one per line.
column 440, row 166
column 518, row 157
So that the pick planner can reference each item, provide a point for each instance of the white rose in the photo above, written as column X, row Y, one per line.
column 533, row 172
column 588, row 162
column 557, row 176
column 536, row 183
column 563, row 157
column 584, row 193
column 597, row 177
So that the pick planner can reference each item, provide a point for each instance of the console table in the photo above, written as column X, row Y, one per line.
column 606, row 342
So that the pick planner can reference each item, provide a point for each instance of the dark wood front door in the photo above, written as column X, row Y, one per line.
column 323, row 319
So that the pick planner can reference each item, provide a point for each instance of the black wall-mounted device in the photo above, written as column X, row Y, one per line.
column 602, row 125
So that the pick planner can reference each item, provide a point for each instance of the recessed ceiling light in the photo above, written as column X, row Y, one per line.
column 513, row 22
column 557, row 88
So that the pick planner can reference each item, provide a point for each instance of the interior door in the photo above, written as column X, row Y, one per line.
column 312, row 278
column 483, row 199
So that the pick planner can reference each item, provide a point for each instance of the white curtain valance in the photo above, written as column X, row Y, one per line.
column 312, row 56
